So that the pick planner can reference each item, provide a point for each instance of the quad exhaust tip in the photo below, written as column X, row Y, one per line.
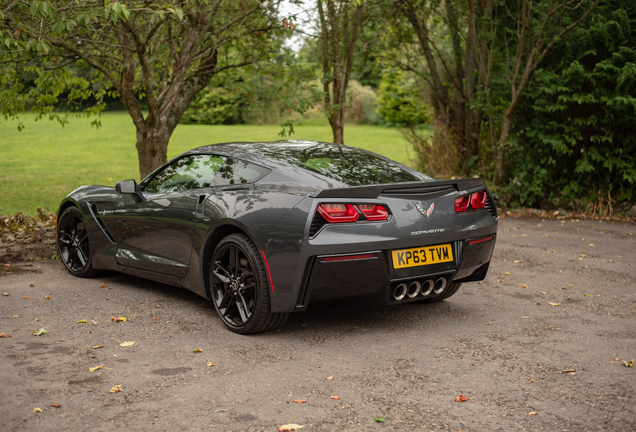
column 427, row 287
column 440, row 285
column 414, row 289
column 419, row 288
column 400, row 291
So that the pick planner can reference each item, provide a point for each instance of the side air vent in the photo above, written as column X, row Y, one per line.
column 316, row 223
column 92, row 207
column 490, row 206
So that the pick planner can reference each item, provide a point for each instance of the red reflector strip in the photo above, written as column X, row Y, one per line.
column 347, row 257
column 481, row 240
column 271, row 283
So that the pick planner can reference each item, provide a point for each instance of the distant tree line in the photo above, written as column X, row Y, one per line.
column 537, row 96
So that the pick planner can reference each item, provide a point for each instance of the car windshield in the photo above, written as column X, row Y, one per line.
column 345, row 164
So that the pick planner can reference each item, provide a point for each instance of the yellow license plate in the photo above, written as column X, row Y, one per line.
column 421, row 256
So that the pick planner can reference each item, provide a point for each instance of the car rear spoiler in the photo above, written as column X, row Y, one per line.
column 375, row 191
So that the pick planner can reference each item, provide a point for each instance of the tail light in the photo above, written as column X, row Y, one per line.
column 475, row 201
column 478, row 200
column 462, row 203
column 335, row 213
column 374, row 212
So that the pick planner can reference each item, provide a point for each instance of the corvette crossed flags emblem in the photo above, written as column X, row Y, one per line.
column 426, row 213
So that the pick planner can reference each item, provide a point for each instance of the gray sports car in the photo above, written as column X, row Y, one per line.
column 265, row 229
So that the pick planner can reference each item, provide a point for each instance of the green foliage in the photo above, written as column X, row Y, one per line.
column 360, row 108
column 399, row 100
column 264, row 93
column 44, row 163
column 575, row 129
column 219, row 103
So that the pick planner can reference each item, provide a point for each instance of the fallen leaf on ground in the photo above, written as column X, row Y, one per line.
column 81, row 322
column 543, row 292
column 336, row 397
column 36, row 410
column 98, row 346
column 616, row 359
column 461, row 398
column 48, row 297
column 531, row 381
column 93, row 322
column 290, row 427
column 480, row 283
column 525, row 317
column 532, row 413
column 158, row 306
column 32, row 285
column 545, row 255
column 40, row 332
column 379, row 419
column 518, row 261
column 219, row 410
column 118, row 319
column 554, row 304
column 116, row 389
column 77, row 295
column 126, row 344
column 329, row 377
column 25, row 297
column 6, row 294
column 197, row 350
column 589, row 295
column 7, row 265
column 524, row 286
column 487, row 324
column 569, row 370
column 103, row 285
column 56, row 405
column 506, row 273
column 93, row 369
column 4, row 335
column 299, row 400
column 628, row 363
column 210, row 364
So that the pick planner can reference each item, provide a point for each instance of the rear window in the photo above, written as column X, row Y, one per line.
column 344, row 164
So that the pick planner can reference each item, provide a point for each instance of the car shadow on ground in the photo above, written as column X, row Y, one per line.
column 327, row 317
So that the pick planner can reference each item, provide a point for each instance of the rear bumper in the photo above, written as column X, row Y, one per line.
column 369, row 277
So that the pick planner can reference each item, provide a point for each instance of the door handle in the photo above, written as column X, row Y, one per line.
column 200, row 205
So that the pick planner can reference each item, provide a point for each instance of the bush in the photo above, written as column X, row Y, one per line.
column 399, row 101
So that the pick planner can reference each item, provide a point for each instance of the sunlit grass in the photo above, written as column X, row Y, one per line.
column 43, row 163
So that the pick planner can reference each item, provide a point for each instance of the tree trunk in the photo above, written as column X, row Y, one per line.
column 339, row 28
column 152, row 148
column 505, row 132
column 338, row 131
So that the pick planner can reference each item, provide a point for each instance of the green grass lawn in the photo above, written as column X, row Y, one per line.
column 42, row 164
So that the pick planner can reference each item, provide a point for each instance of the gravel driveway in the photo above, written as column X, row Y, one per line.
column 540, row 344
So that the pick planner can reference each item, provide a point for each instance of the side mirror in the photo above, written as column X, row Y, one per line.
column 130, row 187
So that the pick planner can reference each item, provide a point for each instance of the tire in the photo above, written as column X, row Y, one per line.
column 240, row 287
column 448, row 292
column 73, row 244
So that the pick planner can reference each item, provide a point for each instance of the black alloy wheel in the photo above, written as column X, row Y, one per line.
column 73, row 244
column 240, row 289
